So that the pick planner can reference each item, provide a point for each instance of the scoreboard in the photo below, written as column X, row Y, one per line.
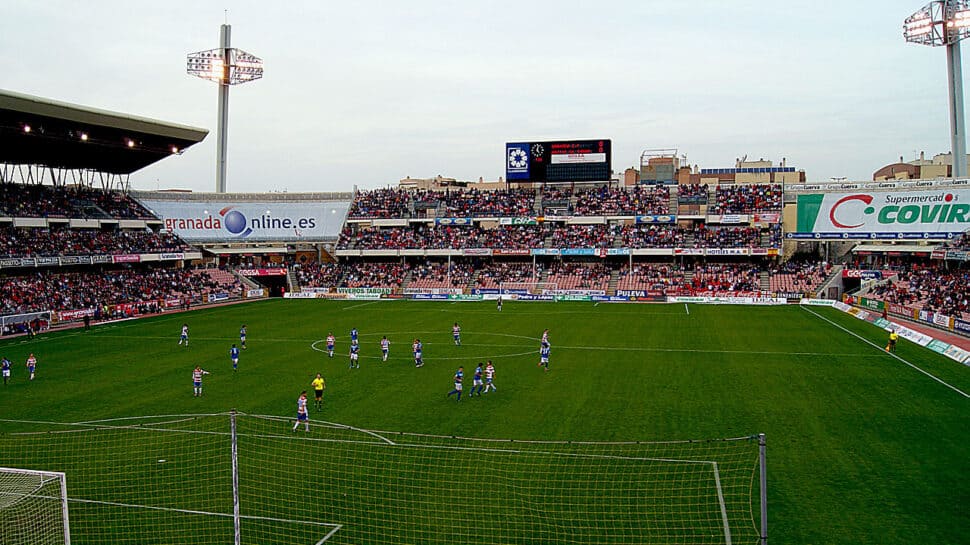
column 560, row 161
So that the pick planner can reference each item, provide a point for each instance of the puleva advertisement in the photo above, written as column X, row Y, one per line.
column 213, row 221
column 940, row 213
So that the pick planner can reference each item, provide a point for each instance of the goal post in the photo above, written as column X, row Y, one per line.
column 33, row 507
column 251, row 479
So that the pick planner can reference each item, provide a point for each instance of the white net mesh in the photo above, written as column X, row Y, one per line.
column 342, row 485
column 31, row 508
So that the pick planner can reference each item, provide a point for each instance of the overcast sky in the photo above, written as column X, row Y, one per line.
column 365, row 93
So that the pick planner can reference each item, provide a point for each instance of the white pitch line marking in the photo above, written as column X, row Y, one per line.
column 882, row 352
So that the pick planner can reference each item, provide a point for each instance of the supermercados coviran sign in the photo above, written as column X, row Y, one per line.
column 939, row 213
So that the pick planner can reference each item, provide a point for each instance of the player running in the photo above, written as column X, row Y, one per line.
column 416, row 348
column 477, row 383
column 242, row 336
column 459, row 376
column 234, row 356
column 31, row 365
column 318, row 387
column 301, row 412
column 331, row 341
column 385, row 348
column 456, row 333
column 354, row 354
column 489, row 377
column 5, row 370
column 184, row 337
column 545, row 337
column 544, row 355
column 498, row 303
column 197, row 380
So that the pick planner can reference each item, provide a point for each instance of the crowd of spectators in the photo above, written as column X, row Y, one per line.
column 639, row 200
column 585, row 236
column 692, row 194
column 930, row 287
column 727, row 237
column 797, row 276
column 46, row 242
column 726, row 277
column 442, row 237
column 747, row 199
column 381, row 203
column 374, row 275
column 492, row 275
column 579, row 276
column 665, row 278
column 652, row 236
column 441, row 275
column 314, row 274
column 523, row 237
column 558, row 196
column 48, row 201
column 499, row 203
column 48, row 290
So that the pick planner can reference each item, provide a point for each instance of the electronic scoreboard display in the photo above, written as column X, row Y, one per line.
column 561, row 161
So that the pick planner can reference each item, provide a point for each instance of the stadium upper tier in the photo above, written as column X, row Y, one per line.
column 72, row 202
column 47, row 242
column 563, row 200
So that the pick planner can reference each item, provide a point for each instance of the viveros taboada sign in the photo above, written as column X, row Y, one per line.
column 940, row 213
column 214, row 221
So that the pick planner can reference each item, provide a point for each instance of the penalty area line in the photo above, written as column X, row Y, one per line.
column 877, row 347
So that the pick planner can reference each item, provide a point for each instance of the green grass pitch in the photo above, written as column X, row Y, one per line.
column 861, row 447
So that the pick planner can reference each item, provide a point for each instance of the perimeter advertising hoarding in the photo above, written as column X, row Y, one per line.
column 560, row 161
column 933, row 214
column 215, row 221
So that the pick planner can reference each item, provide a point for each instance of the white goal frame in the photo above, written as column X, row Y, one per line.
column 45, row 477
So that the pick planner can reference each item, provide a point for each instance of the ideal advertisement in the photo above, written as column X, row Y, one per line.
column 939, row 213
column 206, row 221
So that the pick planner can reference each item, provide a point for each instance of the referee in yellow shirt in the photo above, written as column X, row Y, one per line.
column 318, row 387
column 891, row 347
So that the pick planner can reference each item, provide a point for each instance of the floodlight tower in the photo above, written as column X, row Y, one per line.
column 946, row 22
column 225, row 66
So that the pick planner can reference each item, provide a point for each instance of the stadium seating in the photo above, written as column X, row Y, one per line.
column 374, row 275
column 661, row 278
column 797, row 276
column 747, row 199
column 46, row 290
column 436, row 275
column 492, row 275
column 381, row 203
column 621, row 201
column 44, row 242
column 45, row 201
column 579, row 276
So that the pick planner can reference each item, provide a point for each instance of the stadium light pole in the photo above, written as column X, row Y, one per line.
column 225, row 66
column 946, row 23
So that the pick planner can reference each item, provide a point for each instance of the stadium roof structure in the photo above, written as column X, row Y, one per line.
column 42, row 132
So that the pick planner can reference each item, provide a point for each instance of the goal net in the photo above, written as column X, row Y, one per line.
column 33, row 507
column 173, row 479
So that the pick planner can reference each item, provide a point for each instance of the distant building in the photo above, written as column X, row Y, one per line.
column 941, row 166
column 743, row 172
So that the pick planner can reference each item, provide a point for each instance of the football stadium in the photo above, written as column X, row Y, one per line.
column 573, row 353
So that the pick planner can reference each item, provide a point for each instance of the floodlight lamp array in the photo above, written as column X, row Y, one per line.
column 942, row 22
column 226, row 66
